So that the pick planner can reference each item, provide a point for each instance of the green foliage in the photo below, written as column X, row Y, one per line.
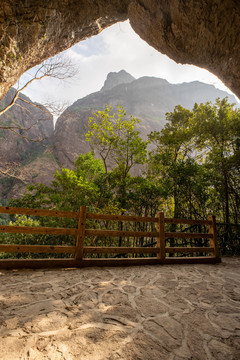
column 117, row 141
column 114, row 136
column 70, row 188
column 217, row 133
column 32, row 239
column 145, row 197
column 23, row 220
column 192, row 170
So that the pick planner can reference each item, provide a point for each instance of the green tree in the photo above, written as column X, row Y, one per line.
column 116, row 139
column 70, row 188
column 171, row 160
column 217, row 137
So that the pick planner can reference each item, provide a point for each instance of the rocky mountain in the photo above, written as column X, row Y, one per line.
column 23, row 144
column 148, row 98
column 29, row 121
column 113, row 79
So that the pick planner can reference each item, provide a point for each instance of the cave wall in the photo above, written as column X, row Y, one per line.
column 34, row 30
column 204, row 33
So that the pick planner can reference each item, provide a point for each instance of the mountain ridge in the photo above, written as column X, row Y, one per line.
column 115, row 78
column 147, row 98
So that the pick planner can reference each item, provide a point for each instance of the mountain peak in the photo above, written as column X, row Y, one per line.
column 116, row 78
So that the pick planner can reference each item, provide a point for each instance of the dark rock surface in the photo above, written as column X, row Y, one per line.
column 32, row 31
column 205, row 34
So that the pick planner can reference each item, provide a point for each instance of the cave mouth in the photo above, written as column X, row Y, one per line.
column 114, row 49
column 197, row 33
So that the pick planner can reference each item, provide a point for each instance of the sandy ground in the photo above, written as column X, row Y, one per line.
column 152, row 312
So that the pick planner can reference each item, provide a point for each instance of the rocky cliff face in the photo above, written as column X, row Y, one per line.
column 18, row 153
column 69, row 139
column 26, row 119
column 37, row 170
column 113, row 79
column 203, row 33
column 147, row 98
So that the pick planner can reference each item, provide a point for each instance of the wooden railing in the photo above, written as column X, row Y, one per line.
column 81, row 252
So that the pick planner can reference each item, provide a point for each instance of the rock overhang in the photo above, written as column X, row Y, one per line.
column 205, row 34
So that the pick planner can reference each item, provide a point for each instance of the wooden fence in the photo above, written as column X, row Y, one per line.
column 80, row 252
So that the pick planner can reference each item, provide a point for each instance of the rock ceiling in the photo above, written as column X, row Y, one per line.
column 203, row 33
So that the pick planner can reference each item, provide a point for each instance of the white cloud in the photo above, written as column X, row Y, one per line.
column 116, row 48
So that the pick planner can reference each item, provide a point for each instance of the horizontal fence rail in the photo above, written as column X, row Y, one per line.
column 81, row 232
column 37, row 230
column 38, row 249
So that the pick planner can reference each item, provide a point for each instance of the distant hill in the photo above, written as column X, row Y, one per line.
column 148, row 98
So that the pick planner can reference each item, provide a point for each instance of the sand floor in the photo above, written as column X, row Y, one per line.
column 173, row 312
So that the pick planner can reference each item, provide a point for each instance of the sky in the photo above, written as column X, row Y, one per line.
column 115, row 48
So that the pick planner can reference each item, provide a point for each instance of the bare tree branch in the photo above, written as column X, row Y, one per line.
column 9, row 170
column 59, row 67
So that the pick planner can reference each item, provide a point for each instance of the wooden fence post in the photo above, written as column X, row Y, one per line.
column 161, row 236
column 81, row 233
column 214, row 240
